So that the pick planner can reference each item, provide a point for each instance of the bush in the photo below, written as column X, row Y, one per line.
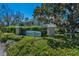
column 30, row 46
column 59, row 41
column 9, row 36
column 55, row 43
column 36, row 46
column 9, row 42
column 11, row 29
column 59, row 36
column 1, row 33
column 65, row 52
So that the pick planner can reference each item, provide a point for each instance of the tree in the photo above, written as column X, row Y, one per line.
column 40, row 13
column 73, row 9
column 48, row 12
column 18, row 18
column 64, row 15
column 6, row 14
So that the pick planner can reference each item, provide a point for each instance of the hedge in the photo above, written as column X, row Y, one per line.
column 29, row 46
column 37, row 46
column 9, row 36
column 12, row 29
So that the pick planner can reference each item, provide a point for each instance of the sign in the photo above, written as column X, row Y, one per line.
column 33, row 33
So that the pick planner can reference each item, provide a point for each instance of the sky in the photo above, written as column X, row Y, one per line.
column 26, row 8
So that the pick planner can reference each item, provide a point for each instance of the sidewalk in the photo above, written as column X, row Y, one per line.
column 2, row 49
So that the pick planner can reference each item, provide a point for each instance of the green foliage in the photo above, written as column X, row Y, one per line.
column 1, row 33
column 65, row 52
column 9, row 36
column 55, row 43
column 37, row 46
column 30, row 46
column 63, row 42
column 59, row 36
column 9, row 29
column 12, row 29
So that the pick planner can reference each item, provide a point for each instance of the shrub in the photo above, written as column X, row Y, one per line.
column 12, row 28
column 65, row 52
column 36, row 46
column 56, row 42
column 9, row 29
column 1, row 33
column 22, row 29
column 9, row 36
column 59, row 36
column 9, row 42
column 30, row 46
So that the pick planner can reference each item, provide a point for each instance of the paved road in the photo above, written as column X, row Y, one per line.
column 2, row 49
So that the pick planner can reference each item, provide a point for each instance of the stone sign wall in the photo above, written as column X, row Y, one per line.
column 51, row 29
column 33, row 33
